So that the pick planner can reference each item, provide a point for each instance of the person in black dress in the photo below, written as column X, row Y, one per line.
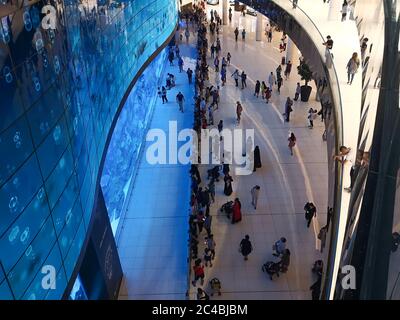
column 228, row 185
column 246, row 247
column 257, row 158
column 225, row 169
column 195, row 171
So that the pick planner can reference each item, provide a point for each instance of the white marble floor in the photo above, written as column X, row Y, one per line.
column 286, row 182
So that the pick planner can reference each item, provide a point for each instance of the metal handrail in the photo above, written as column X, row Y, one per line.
column 337, row 97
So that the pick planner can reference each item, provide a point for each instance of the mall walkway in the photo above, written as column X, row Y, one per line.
column 327, row 18
column 153, row 242
column 286, row 182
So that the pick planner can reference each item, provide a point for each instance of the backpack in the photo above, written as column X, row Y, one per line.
column 215, row 283
column 309, row 214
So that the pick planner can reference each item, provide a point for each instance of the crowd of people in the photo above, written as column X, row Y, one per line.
column 202, row 242
column 201, row 199
column 206, row 102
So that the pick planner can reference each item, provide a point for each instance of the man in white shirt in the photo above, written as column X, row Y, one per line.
column 271, row 80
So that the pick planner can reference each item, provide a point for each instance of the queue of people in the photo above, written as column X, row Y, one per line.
column 202, row 199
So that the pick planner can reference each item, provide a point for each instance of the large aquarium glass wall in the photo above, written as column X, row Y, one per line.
column 63, row 74
column 123, row 154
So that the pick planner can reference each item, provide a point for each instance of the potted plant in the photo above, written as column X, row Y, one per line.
column 306, row 75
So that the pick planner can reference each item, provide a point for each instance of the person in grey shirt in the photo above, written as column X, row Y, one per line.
column 207, row 223
column 255, row 191
column 211, row 245
column 352, row 67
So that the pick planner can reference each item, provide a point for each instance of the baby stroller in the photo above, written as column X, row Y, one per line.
column 227, row 208
column 271, row 268
column 215, row 285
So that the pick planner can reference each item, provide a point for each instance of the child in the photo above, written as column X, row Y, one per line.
column 267, row 94
column 215, row 285
column 198, row 272
column 312, row 114
column 207, row 257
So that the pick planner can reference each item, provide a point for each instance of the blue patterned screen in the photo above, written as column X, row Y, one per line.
column 59, row 92
column 128, row 135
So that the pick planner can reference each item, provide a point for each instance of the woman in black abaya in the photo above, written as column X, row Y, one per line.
column 228, row 185
column 257, row 158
